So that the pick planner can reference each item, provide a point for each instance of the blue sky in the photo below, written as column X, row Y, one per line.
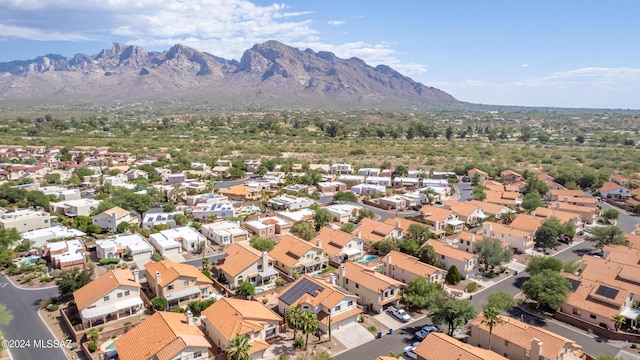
column 534, row 53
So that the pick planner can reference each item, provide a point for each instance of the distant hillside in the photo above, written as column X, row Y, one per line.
column 270, row 74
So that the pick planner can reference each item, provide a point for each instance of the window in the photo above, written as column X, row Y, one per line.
column 350, row 303
column 337, row 308
column 593, row 316
column 576, row 311
column 442, row 256
column 357, row 285
column 506, row 343
column 106, row 298
column 346, row 281
column 527, row 353
column 259, row 267
column 126, row 293
column 186, row 283
column 119, row 295
column 197, row 354
column 170, row 287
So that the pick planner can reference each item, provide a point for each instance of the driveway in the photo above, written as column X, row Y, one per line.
column 352, row 335
column 391, row 322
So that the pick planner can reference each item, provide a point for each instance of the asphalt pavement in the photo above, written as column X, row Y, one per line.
column 26, row 324
column 464, row 189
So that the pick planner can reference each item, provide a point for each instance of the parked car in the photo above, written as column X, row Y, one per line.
column 409, row 351
column 422, row 333
column 565, row 239
column 399, row 313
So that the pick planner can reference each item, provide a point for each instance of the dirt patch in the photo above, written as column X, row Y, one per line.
column 53, row 320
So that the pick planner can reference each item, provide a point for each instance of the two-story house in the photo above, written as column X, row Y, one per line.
column 244, row 263
column 471, row 214
column 404, row 267
column 614, row 191
column 110, row 219
column 510, row 176
column 341, row 169
column 73, row 208
column 339, row 245
column 466, row 263
column 372, row 231
column 441, row 218
column 294, row 255
column 25, row 220
column 333, row 305
column 178, row 283
column 374, row 290
column 228, row 317
column 520, row 341
column 224, row 232
column 520, row 240
column 188, row 238
column 119, row 246
column 164, row 335
column 112, row 296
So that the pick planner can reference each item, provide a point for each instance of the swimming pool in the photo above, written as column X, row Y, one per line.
column 111, row 346
column 30, row 260
column 258, row 291
column 368, row 258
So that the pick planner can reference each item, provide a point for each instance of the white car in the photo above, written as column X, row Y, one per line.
column 422, row 333
column 399, row 313
column 408, row 351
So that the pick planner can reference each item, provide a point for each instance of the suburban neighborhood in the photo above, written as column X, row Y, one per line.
column 144, row 262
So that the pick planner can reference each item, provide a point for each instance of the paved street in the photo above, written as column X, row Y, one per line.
column 626, row 222
column 464, row 189
column 26, row 324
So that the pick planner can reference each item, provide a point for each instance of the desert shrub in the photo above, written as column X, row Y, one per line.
column 472, row 287
column 109, row 261
column 92, row 346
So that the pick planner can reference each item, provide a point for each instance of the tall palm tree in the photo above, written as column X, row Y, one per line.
column 293, row 317
column 309, row 325
column 618, row 321
column 177, row 193
column 491, row 319
column 508, row 217
column 238, row 348
column 430, row 194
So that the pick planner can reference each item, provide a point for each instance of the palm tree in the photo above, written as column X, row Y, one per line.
column 177, row 193
column 508, row 217
column 309, row 325
column 491, row 319
column 293, row 317
column 238, row 348
column 430, row 194
column 619, row 320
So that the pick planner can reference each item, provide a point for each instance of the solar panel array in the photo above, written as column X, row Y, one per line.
column 574, row 284
column 303, row 286
column 608, row 292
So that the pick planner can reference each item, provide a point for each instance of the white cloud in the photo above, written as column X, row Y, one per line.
column 524, row 65
column 590, row 87
column 222, row 27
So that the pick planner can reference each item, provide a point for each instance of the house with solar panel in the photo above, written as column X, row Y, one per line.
column 334, row 306
column 606, row 287
column 152, row 220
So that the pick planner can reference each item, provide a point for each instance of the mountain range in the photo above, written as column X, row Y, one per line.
column 270, row 74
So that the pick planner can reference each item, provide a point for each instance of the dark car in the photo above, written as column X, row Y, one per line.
column 565, row 239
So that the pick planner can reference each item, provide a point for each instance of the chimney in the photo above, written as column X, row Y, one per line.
column 533, row 213
column 115, row 222
column 489, row 229
column 265, row 260
column 319, row 243
column 332, row 279
column 343, row 271
column 398, row 224
column 536, row 349
column 558, row 205
column 158, row 281
column 473, row 236
column 359, row 234
column 388, row 264
column 566, row 199
column 136, row 276
column 189, row 316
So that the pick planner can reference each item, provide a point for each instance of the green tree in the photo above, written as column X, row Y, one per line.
column 421, row 293
column 500, row 300
column 8, row 237
column 491, row 318
column 246, row 289
column 453, row 276
column 38, row 199
column 72, row 280
column 531, row 201
column 387, row 245
column 238, row 348
column 293, row 318
column 547, row 235
column 478, row 193
column 419, row 232
column 453, row 313
column 366, row 213
column 401, row 170
column 508, row 217
column 52, row 178
column 348, row 227
column 538, row 264
column 606, row 235
column 492, row 253
column 262, row 244
column 618, row 321
column 345, row 196
column 430, row 195
column 181, row 219
column 570, row 266
column 308, row 325
column 610, row 214
column 122, row 227
column 548, row 288
column 429, row 256
column 322, row 217
column 409, row 246
column 303, row 230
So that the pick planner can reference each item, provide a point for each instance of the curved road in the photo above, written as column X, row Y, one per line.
column 26, row 324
